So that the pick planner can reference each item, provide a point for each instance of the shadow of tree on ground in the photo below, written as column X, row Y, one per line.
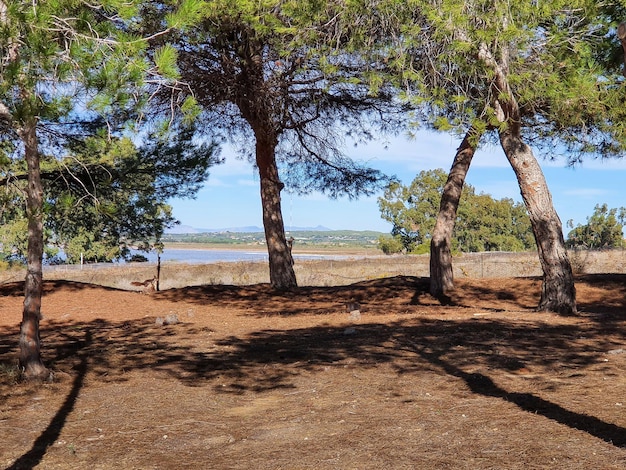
column 52, row 432
column 483, row 385
column 457, row 348
column 460, row 348
column 377, row 294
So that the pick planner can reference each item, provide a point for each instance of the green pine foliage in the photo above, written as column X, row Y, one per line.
column 284, row 71
column 78, row 72
column 107, row 196
column 563, row 65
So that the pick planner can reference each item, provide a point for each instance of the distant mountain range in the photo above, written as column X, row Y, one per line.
column 179, row 229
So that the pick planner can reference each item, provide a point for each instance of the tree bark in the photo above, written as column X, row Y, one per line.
column 282, row 274
column 621, row 34
column 29, row 343
column 254, row 98
column 558, row 292
column 441, row 272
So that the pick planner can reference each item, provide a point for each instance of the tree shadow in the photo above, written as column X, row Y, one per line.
column 271, row 359
column 16, row 289
column 482, row 384
column 375, row 294
column 608, row 309
column 379, row 295
column 52, row 432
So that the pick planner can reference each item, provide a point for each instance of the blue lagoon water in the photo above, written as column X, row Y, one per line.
column 202, row 256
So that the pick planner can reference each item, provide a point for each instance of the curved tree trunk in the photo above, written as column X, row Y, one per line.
column 29, row 343
column 282, row 274
column 441, row 273
column 558, row 292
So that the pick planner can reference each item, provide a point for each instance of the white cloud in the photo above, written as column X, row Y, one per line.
column 428, row 150
column 602, row 164
column 214, row 182
column 247, row 182
column 232, row 166
column 586, row 193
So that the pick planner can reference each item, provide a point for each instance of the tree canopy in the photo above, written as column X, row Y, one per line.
column 108, row 195
column 523, row 74
column 604, row 229
column 288, row 81
column 280, row 80
column 67, row 70
column 482, row 224
column 561, row 62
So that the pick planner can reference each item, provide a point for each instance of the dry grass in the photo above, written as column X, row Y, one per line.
column 328, row 272
column 176, row 275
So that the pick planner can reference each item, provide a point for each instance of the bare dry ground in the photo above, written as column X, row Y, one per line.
column 251, row 378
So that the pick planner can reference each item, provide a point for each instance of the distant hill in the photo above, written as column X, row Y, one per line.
column 306, row 237
column 180, row 229
column 184, row 229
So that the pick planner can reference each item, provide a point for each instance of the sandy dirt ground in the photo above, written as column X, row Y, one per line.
column 366, row 376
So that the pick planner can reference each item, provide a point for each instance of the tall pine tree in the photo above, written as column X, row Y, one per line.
column 66, row 67
column 280, row 79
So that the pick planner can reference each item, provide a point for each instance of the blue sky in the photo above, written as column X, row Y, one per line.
column 230, row 197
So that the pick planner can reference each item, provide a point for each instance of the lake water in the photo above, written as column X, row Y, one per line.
column 200, row 256
column 207, row 256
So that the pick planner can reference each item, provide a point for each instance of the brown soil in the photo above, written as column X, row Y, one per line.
column 253, row 379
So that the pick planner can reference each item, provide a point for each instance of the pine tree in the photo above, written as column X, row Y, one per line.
column 66, row 67
column 518, row 74
column 281, row 80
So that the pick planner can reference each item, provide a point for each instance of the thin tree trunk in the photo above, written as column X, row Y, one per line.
column 158, row 276
column 441, row 272
column 29, row 343
column 282, row 274
column 558, row 292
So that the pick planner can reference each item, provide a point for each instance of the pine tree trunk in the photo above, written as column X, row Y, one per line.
column 441, row 272
column 282, row 274
column 29, row 343
column 558, row 291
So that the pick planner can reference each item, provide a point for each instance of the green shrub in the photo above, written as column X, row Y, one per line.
column 390, row 245
column 421, row 249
